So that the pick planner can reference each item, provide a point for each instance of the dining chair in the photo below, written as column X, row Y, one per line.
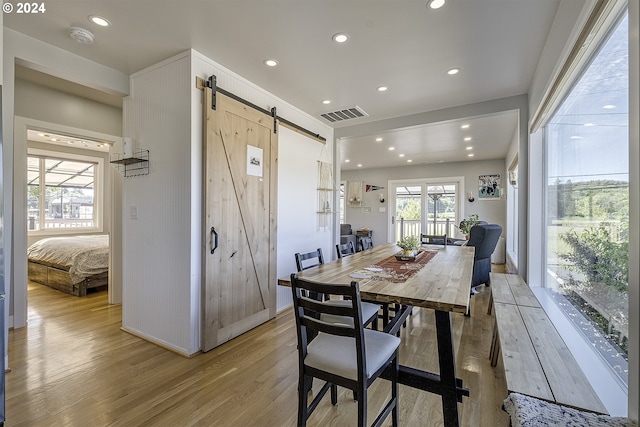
column 483, row 237
column 433, row 239
column 365, row 243
column 369, row 310
column 315, row 257
column 345, row 249
column 342, row 354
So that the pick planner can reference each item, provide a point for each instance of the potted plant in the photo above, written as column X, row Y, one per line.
column 409, row 244
column 466, row 224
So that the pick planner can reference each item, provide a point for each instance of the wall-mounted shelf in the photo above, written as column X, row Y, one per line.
column 136, row 165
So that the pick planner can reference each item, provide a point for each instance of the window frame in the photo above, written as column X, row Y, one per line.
column 98, row 192
column 610, row 389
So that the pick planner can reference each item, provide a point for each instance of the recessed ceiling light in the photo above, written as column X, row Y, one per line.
column 340, row 37
column 326, row 102
column 435, row 4
column 469, row 148
column 468, row 138
column 99, row 20
column 470, row 155
column 589, row 124
column 359, row 165
column 400, row 155
column 609, row 106
column 392, row 148
column 453, row 71
column 409, row 161
column 575, row 137
column 347, row 160
column 464, row 126
column 382, row 88
column 270, row 62
column 378, row 139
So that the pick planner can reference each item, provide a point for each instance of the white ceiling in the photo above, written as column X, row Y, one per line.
column 401, row 44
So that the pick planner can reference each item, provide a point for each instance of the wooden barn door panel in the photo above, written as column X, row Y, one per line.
column 240, row 276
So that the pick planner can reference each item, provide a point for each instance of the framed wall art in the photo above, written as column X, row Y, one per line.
column 489, row 187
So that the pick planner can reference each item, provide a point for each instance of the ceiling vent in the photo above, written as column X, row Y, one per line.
column 348, row 113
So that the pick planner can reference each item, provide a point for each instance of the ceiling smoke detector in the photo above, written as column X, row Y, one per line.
column 81, row 35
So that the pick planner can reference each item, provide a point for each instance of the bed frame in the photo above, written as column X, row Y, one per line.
column 58, row 278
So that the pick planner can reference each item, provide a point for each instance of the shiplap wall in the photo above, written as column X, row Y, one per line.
column 156, row 256
column 162, row 248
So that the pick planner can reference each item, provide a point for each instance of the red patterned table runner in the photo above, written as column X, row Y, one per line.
column 392, row 270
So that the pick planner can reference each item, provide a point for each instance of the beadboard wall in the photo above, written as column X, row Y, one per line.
column 156, row 209
column 162, row 245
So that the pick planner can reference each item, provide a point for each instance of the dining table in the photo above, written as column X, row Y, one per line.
column 438, row 278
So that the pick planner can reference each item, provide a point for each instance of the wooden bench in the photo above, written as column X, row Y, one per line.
column 536, row 360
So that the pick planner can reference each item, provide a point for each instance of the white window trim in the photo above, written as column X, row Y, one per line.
column 423, row 182
column 98, row 191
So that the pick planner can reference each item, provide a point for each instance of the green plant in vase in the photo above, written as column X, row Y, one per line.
column 409, row 244
column 467, row 223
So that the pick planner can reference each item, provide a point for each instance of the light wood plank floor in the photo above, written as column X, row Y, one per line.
column 73, row 366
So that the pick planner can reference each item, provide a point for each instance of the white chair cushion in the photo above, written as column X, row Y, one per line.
column 368, row 310
column 337, row 355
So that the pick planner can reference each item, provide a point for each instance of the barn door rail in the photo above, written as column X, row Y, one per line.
column 211, row 82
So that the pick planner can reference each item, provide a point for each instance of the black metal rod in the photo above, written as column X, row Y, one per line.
column 446, row 357
column 212, row 82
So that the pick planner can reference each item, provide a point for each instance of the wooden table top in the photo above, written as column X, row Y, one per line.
column 444, row 283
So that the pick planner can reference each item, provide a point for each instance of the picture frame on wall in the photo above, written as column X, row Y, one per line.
column 489, row 187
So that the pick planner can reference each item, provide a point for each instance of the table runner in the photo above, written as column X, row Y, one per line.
column 392, row 270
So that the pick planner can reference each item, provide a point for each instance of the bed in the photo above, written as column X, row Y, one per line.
column 70, row 264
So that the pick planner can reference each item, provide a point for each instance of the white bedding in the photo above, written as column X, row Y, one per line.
column 84, row 256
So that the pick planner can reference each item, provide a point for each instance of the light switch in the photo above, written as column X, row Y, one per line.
column 133, row 212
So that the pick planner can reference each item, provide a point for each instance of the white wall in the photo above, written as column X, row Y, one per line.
column 493, row 211
column 298, row 220
column 157, row 277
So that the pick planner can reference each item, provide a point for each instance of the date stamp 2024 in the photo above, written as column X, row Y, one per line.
column 24, row 8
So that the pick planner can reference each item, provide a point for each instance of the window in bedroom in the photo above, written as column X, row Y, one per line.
column 587, row 203
column 61, row 193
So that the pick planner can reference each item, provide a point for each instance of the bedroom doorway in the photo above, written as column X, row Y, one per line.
column 70, row 190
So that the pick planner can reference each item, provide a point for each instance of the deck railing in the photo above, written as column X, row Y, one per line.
column 413, row 227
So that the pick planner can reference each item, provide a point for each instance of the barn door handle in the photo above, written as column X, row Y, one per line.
column 214, row 236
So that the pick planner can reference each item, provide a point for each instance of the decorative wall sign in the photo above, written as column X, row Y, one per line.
column 489, row 187
column 254, row 161
column 373, row 188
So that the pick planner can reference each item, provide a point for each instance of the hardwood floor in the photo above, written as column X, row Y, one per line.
column 73, row 366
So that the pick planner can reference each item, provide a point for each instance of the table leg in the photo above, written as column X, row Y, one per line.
column 447, row 360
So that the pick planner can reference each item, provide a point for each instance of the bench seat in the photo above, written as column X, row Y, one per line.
column 536, row 360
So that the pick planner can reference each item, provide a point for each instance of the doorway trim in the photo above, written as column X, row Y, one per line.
column 20, row 240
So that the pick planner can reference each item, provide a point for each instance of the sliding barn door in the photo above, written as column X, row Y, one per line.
column 240, row 151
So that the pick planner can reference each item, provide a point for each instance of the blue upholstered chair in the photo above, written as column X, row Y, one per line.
column 483, row 237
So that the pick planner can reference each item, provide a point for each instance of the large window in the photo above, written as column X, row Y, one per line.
column 587, row 202
column 61, row 193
